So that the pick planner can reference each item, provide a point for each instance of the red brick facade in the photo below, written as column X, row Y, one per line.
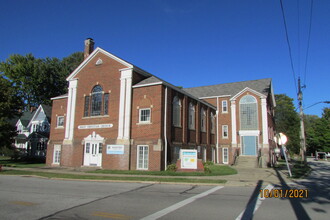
column 130, row 124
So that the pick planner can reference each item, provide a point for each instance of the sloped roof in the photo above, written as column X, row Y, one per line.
column 149, row 80
column 153, row 80
column 26, row 117
column 262, row 86
column 48, row 110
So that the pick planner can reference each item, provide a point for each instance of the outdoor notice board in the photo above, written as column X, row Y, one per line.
column 188, row 159
column 115, row 149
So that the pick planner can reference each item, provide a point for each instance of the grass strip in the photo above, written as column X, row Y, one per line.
column 216, row 170
column 300, row 170
column 119, row 178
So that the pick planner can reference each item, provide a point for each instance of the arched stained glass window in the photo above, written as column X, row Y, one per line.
column 191, row 116
column 203, row 120
column 176, row 111
column 96, row 100
column 248, row 113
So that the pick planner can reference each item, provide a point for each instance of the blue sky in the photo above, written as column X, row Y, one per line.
column 187, row 43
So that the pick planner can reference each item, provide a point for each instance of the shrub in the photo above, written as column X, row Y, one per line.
column 172, row 167
column 207, row 169
column 208, row 163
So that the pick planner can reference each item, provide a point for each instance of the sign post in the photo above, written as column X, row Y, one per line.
column 282, row 141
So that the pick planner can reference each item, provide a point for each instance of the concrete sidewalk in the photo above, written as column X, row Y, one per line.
column 244, row 177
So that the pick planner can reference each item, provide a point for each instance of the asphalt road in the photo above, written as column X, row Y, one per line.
column 36, row 198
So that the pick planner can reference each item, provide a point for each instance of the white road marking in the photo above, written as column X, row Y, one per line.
column 258, row 203
column 178, row 205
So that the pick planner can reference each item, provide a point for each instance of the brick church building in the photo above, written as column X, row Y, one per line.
column 118, row 116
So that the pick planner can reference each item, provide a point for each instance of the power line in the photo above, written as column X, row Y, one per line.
column 289, row 46
column 308, row 41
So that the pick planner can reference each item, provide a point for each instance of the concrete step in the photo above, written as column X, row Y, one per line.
column 247, row 162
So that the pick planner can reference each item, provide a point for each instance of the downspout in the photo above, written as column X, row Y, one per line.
column 165, row 126
column 217, row 130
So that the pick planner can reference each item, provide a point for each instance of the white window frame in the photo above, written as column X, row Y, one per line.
column 137, row 158
column 57, row 157
column 58, row 120
column 225, row 160
column 140, row 115
column 224, row 106
column 223, row 132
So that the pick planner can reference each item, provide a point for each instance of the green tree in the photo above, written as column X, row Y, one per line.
column 38, row 80
column 318, row 132
column 287, row 121
column 10, row 105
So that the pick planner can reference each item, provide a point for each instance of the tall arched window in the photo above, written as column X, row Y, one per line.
column 96, row 100
column 96, row 104
column 203, row 120
column 176, row 111
column 248, row 113
column 212, row 116
column 191, row 116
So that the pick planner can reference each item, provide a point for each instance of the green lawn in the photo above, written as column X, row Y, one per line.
column 118, row 178
column 7, row 162
column 216, row 170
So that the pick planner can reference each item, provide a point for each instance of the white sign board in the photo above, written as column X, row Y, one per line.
column 115, row 149
column 95, row 126
column 188, row 159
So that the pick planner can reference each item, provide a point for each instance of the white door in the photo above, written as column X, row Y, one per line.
column 93, row 154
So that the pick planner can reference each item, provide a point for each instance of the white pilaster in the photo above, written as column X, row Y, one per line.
column 121, row 108
column 125, row 103
column 70, row 114
column 264, row 120
column 233, row 122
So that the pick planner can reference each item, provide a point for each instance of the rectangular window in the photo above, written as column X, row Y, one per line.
column 144, row 115
column 142, row 157
column 225, row 155
column 86, row 108
column 57, row 154
column 60, row 121
column 88, row 145
column 106, row 104
column 224, row 106
column 224, row 131
column 100, row 148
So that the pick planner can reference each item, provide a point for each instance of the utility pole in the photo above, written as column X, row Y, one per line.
column 302, row 126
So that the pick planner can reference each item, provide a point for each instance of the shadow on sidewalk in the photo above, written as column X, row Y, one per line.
column 298, row 209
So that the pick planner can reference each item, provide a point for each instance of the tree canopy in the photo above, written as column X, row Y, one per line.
column 318, row 132
column 287, row 121
column 27, row 81
column 37, row 80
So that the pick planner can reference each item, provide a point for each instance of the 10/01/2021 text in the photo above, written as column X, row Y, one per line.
column 284, row 193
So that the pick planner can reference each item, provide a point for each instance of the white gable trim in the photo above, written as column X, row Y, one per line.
column 211, row 97
column 35, row 115
column 247, row 89
column 59, row 97
column 19, row 123
column 149, row 84
column 91, row 56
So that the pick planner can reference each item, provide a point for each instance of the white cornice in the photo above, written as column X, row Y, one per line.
column 247, row 89
column 59, row 97
column 91, row 56
column 149, row 84
column 211, row 97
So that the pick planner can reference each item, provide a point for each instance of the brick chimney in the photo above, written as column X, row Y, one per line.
column 89, row 47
